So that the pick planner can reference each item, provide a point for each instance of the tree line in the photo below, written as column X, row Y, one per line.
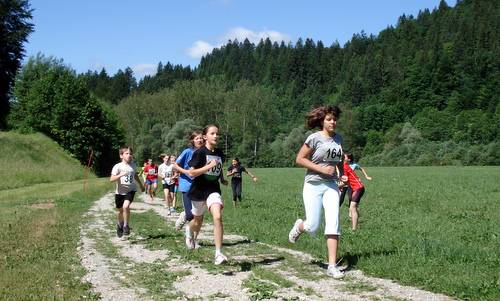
column 423, row 92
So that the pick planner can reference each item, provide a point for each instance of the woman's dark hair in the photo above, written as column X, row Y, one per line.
column 314, row 119
column 350, row 156
column 205, row 129
column 193, row 135
column 237, row 160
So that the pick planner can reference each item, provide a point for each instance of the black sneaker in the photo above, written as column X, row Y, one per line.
column 126, row 230
column 119, row 231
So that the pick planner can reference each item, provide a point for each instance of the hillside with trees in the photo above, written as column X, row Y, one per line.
column 424, row 92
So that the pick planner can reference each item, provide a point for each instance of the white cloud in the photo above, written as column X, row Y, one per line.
column 200, row 48
column 141, row 70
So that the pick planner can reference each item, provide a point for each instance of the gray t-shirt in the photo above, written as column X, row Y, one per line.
column 326, row 151
column 126, row 183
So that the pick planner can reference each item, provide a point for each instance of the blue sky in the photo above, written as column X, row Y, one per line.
column 116, row 34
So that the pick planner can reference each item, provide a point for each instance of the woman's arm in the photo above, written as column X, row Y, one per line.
column 254, row 178
column 303, row 160
column 193, row 173
column 364, row 173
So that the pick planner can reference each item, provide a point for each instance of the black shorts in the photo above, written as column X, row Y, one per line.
column 120, row 199
column 170, row 187
column 356, row 195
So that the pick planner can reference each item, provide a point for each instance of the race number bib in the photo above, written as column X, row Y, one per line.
column 214, row 171
column 333, row 152
column 127, row 180
column 151, row 171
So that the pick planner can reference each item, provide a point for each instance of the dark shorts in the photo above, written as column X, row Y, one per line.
column 151, row 182
column 170, row 187
column 120, row 199
column 356, row 195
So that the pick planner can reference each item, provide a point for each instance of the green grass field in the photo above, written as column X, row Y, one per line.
column 431, row 227
column 42, row 200
column 33, row 159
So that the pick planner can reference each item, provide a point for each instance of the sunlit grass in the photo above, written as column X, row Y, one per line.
column 431, row 227
column 39, row 237
column 32, row 159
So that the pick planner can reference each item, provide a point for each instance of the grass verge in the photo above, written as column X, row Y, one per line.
column 39, row 238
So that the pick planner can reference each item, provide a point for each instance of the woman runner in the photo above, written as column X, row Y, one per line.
column 320, row 154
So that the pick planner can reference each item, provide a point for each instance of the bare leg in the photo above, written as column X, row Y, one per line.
column 126, row 211
column 353, row 210
column 119, row 214
column 165, row 194
column 195, row 223
column 332, row 243
column 174, row 199
column 216, row 210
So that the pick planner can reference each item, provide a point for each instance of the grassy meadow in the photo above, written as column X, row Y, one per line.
column 33, row 159
column 431, row 227
column 42, row 200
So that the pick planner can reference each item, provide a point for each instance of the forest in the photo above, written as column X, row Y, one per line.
column 422, row 92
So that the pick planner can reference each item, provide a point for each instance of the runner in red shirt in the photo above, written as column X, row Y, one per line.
column 355, row 190
column 151, row 171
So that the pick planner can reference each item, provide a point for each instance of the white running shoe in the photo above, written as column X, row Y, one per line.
column 220, row 259
column 335, row 272
column 179, row 223
column 295, row 232
column 196, row 244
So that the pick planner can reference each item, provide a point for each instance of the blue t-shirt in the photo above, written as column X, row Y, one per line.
column 184, row 180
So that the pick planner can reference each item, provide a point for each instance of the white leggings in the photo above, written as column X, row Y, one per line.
column 317, row 196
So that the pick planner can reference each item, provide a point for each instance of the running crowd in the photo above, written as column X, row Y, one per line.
column 197, row 173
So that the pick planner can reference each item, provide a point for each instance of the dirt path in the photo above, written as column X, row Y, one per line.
column 158, row 267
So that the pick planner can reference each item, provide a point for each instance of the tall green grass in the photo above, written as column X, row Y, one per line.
column 32, row 159
column 39, row 234
column 430, row 227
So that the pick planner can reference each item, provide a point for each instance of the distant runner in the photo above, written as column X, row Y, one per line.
column 235, row 170
column 124, row 174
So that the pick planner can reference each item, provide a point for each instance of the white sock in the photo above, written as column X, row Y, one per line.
column 189, row 234
column 217, row 252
